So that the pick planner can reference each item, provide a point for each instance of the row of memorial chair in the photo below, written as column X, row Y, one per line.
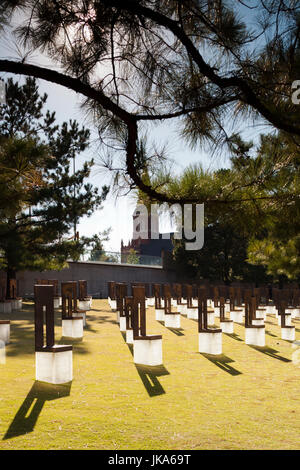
column 242, row 306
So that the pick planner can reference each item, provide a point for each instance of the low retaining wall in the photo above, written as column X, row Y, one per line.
column 97, row 275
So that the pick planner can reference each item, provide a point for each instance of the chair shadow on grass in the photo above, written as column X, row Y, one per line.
column 269, row 352
column 176, row 331
column 78, row 344
column 270, row 334
column 222, row 362
column 99, row 319
column 233, row 336
column 149, row 374
column 31, row 408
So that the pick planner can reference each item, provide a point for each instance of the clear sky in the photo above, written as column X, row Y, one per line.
column 115, row 213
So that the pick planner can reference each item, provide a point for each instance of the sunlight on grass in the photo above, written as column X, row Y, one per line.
column 246, row 398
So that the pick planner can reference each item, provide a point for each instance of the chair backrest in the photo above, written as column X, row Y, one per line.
column 222, row 309
column 282, row 305
column 138, row 311
column 216, row 296
column 54, row 283
column 250, row 309
column 69, row 298
column 157, row 295
column 121, row 293
column 178, row 292
column 189, row 295
column 44, row 307
column 82, row 290
column 12, row 286
column 232, row 298
column 167, row 298
column 128, row 312
column 202, row 310
column 112, row 290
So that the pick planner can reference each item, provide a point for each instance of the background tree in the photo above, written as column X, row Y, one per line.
column 223, row 257
column 42, row 196
column 95, row 244
column 254, row 234
column 132, row 257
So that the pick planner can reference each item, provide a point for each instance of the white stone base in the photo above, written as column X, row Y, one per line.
column 295, row 312
column 151, row 301
column 5, row 307
column 5, row 332
column 129, row 336
column 194, row 302
column 210, row 343
column 288, row 320
column 2, row 353
column 217, row 312
column 122, row 323
column 192, row 313
column 16, row 304
column 54, row 367
column 182, row 309
column 288, row 334
column 237, row 316
column 173, row 302
column 255, row 336
column 83, row 315
column 147, row 352
column 227, row 327
column 271, row 310
column 113, row 305
column 242, row 308
column 56, row 302
column 160, row 314
column 84, row 305
column 227, row 307
column 172, row 320
column 258, row 321
column 210, row 318
column 118, row 316
column 72, row 328
column 261, row 314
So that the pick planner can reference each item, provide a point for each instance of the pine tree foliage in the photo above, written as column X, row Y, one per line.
column 208, row 64
column 41, row 198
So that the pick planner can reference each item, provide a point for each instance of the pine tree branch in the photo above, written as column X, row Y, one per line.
column 249, row 96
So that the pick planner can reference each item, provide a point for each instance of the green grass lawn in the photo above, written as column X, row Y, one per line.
column 248, row 398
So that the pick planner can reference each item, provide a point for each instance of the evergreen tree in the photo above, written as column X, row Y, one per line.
column 42, row 198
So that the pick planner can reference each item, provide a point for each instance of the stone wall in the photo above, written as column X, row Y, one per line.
column 97, row 275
